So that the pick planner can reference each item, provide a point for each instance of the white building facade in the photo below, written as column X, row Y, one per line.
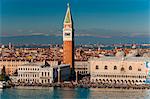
column 82, row 67
column 118, row 70
column 46, row 75
column 29, row 73
column 41, row 73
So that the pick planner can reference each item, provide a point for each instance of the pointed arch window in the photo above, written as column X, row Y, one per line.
column 130, row 67
column 115, row 67
column 106, row 67
column 122, row 69
column 97, row 67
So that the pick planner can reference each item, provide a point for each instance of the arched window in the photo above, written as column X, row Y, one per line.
column 42, row 73
column 130, row 67
column 105, row 67
column 115, row 67
column 97, row 67
column 139, row 69
column 122, row 69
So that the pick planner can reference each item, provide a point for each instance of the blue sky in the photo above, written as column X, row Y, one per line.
column 102, row 18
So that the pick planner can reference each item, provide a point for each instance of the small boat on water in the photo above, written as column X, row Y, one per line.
column 2, row 84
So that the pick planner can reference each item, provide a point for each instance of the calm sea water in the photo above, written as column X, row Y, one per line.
column 66, row 93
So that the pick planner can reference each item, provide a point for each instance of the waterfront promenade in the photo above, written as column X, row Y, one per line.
column 85, row 85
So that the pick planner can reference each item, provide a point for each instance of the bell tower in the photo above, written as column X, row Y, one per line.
column 68, row 39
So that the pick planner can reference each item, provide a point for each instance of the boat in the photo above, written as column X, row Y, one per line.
column 2, row 84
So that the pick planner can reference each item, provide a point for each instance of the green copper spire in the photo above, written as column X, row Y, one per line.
column 68, row 15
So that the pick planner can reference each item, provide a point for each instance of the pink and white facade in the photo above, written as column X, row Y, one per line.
column 118, row 70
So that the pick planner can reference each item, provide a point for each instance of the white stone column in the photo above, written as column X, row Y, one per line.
column 58, row 75
column 51, row 75
column 76, row 76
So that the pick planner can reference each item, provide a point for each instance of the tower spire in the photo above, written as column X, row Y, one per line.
column 68, row 17
column 68, row 4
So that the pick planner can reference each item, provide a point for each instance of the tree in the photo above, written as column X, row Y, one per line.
column 3, row 71
column 3, row 74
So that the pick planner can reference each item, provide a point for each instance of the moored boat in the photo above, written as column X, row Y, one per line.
column 2, row 84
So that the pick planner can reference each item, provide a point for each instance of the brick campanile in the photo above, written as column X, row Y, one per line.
column 68, row 39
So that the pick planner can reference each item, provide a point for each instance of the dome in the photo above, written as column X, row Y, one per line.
column 120, row 54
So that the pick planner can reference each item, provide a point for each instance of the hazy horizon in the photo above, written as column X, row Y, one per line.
column 101, row 19
column 40, row 39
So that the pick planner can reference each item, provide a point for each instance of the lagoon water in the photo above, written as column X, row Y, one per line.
column 67, row 93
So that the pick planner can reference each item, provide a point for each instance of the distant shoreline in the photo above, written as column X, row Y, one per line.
column 40, row 39
column 96, row 46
